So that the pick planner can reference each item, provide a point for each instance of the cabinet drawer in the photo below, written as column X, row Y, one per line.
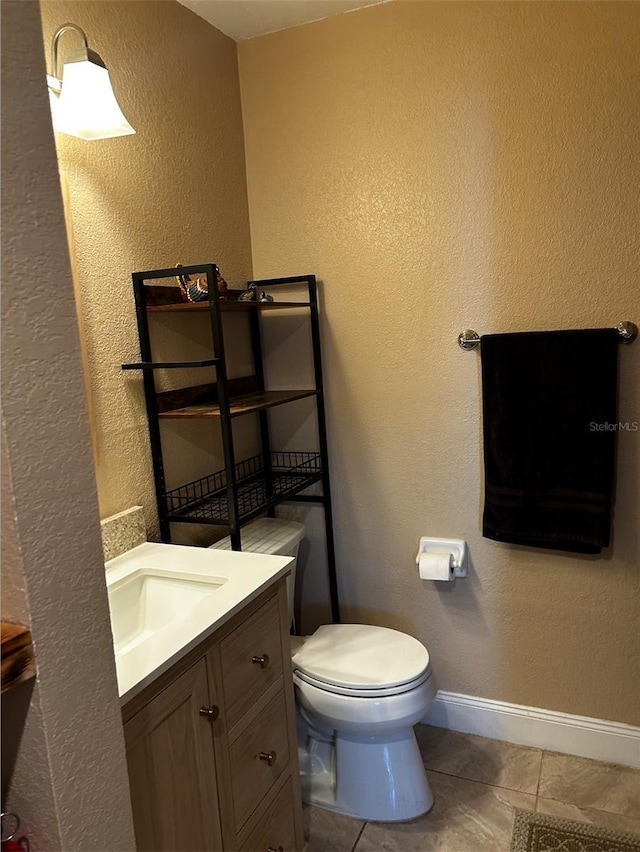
column 244, row 677
column 276, row 829
column 258, row 757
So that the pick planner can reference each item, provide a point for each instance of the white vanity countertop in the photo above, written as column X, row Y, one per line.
column 237, row 578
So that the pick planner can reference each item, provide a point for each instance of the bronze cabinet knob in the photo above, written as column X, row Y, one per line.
column 269, row 757
column 210, row 713
column 262, row 660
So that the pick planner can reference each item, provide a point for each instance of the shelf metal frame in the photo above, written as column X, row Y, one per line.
column 216, row 307
column 204, row 499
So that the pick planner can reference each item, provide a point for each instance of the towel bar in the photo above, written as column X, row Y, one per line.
column 470, row 339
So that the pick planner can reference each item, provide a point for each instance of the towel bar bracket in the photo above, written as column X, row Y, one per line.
column 470, row 339
column 628, row 331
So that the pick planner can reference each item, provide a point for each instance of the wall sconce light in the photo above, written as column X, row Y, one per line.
column 82, row 100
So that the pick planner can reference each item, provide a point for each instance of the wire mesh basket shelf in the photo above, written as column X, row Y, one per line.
column 260, row 481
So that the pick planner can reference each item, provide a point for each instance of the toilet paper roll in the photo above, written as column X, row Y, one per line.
column 435, row 566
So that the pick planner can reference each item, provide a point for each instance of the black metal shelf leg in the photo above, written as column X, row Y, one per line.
column 149, row 384
column 225, row 414
column 263, row 417
column 324, row 451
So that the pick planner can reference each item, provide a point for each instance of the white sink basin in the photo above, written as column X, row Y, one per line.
column 148, row 599
column 164, row 599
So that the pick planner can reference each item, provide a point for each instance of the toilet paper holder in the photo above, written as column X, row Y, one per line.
column 456, row 547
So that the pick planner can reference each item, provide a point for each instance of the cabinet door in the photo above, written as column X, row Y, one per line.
column 172, row 769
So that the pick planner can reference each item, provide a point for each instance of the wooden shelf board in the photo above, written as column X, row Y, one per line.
column 245, row 404
column 18, row 662
column 230, row 305
column 171, row 365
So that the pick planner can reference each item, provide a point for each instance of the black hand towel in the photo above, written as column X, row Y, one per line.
column 550, row 409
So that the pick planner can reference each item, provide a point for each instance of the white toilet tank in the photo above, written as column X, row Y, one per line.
column 276, row 537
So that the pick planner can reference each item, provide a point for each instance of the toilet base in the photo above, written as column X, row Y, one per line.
column 381, row 779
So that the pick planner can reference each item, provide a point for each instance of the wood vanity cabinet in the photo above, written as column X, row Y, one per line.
column 211, row 744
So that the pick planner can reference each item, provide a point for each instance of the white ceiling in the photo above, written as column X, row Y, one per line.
column 242, row 19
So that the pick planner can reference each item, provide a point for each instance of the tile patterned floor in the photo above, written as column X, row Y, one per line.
column 478, row 783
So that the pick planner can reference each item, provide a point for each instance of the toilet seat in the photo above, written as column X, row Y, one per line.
column 355, row 692
column 361, row 660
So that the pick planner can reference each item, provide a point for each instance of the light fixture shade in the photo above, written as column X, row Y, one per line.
column 87, row 106
column 54, row 93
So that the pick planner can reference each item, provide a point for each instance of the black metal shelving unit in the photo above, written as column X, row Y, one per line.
column 241, row 490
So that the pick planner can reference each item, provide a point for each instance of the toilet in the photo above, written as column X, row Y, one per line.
column 359, row 691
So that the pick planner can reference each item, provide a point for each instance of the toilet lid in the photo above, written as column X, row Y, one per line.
column 361, row 656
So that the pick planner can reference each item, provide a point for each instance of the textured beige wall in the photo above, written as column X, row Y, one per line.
column 442, row 166
column 175, row 191
column 70, row 780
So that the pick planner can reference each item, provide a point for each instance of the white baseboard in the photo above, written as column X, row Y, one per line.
column 612, row 742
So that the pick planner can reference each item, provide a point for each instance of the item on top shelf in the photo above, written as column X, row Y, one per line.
column 265, row 297
column 198, row 290
column 249, row 294
column 223, row 289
